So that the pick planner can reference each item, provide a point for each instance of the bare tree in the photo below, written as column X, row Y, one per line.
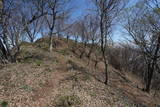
column 56, row 10
column 82, row 32
column 15, row 32
column 60, row 25
column 75, row 31
column 92, row 32
column 107, row 10
column 5, row 13
column 15, row 18
column 33, row 29
column 144, row 30
column 68, row 32
column 31, row 15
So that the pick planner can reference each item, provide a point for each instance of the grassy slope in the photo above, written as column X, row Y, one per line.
column 43, row 79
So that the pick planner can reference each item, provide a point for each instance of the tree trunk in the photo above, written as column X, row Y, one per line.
column 149, row 75
column 32, row 40
column 51, row 44
column 17, row 51
column 81, row 55
column 106, row 71
column 3, row 50
column 89, row 53
column 67, row 38
column 152, row 67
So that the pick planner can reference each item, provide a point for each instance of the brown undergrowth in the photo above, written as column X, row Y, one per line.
column 62, row 79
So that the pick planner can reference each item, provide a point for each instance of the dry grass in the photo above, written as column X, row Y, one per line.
column 43, row 79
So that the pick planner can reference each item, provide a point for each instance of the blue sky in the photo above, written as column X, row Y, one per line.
column 81, row 8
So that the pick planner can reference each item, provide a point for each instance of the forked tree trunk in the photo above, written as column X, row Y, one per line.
column 149, row 76
column 3, row 50
column 151, row 67
column 17, row 51
column 32, row 40
column 148, row 84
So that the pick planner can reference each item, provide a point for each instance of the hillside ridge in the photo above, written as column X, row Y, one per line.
column 63, row 79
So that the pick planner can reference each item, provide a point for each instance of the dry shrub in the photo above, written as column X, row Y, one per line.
column 68, row 101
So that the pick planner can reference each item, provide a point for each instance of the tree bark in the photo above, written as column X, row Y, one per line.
column 152, row 67
column 51, row 43
column 81, row 55
column 106, row 71
column 149, row 79
column 3, row 50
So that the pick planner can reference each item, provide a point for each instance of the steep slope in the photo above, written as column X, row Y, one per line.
column 62, row 79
